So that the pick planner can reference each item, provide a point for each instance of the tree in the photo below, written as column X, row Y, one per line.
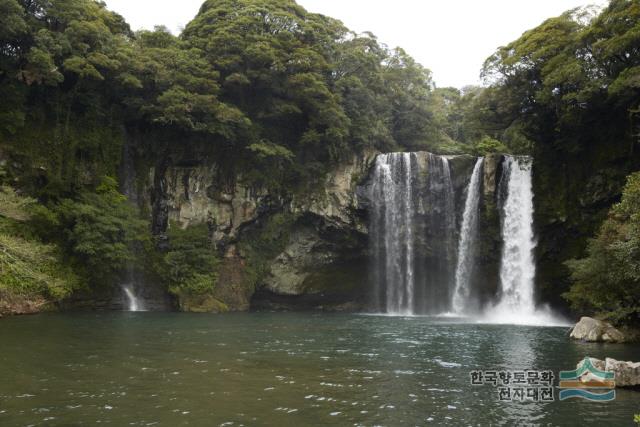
column 29, row 268
column 309, row 86
column 190, row 265
column 607, row 280
column 99, row 231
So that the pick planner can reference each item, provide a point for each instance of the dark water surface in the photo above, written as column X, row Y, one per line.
column 169, row 369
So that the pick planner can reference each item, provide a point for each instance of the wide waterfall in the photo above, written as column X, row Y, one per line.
column 393, row 232
column 426, row 254
column 466, row 244
column 413, row 233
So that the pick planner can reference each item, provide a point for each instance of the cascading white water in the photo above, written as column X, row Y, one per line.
column 466, row 242
column 422, row 265
column 516, row 304
column 413, row 233
column 517, row 268
column 393, row 234
column 133, row 303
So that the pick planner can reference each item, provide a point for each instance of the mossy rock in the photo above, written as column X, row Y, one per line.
column 203, row 303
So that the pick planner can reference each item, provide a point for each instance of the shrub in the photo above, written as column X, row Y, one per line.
column 190, row 265
column 607, row 280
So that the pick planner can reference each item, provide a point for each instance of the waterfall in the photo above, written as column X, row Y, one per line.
column 423, row 264
column 517, row 268
column 128, row 188
column 516, row 303
column 466, row 243
column 133, row 303
column 413, row 232
column 393, row 235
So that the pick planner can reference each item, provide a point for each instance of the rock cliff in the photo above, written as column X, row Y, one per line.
column 306, row 251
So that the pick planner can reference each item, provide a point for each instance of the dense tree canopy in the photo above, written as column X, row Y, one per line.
column 310, row 90
column 555, row 81
column 607, row 281
column 264, row 85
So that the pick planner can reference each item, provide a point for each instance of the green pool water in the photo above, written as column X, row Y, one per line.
column 170, row 369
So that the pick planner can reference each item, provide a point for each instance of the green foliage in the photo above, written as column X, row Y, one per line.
column 12, row 23
column 559, row 79
column 59, row 62
column 13, row 206
column 488, row 145
column 171, row 85
column 28, row 267
column 607, row 281
column 310, row 90
column 190, row 265
column 271, row 151
column 99, row 230
column 276, row 92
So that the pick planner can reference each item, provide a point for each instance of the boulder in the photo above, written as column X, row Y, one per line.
column 627, row 374
column 593, row 330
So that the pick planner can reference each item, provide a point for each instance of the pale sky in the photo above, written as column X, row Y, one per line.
column 450, row 37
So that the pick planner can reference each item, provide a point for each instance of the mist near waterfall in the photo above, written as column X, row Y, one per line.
column 425, row 238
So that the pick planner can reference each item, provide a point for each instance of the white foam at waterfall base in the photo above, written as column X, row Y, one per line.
column 134, row 303
column 516, row 304
column 540, row 316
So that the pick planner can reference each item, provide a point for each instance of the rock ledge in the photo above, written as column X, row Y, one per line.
column 593, row 330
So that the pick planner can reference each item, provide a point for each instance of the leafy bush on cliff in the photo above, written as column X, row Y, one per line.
column 607, row 281
column 190, row 264
column 28, row 268
column 99, row 231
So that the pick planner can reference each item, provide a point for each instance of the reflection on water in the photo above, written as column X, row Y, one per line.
column 281, row 369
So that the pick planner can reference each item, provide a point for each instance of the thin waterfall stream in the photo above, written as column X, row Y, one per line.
column 133, row 303
column 517, row 269
column 466, row 243
column 516, row 303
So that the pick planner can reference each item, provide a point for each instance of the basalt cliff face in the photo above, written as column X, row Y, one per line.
column 304, row 252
